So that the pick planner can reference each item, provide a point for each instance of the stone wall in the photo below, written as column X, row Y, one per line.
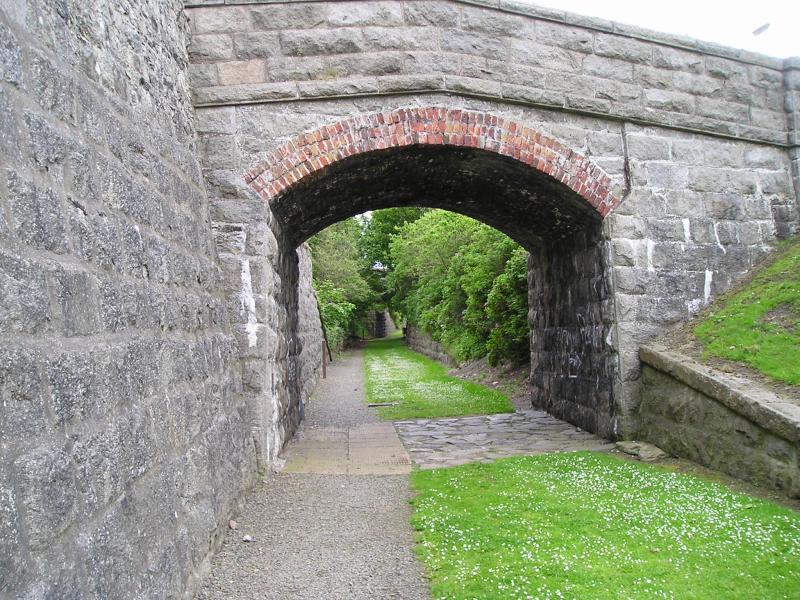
column 124, row 438
column 420, row 341
column 720, row 421
column 498, row 49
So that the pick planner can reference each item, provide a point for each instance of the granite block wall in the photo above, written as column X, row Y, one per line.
column 124, row 438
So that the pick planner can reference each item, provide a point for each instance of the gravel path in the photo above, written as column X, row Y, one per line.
column 318, row 536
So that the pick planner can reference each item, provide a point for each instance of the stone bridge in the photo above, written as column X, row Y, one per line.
column 159, row 335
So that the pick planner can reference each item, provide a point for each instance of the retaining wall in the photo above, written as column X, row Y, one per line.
column 719, row 420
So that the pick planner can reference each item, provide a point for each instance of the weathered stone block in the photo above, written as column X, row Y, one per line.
column 313, row 89
column 669, row 100
column 25, row 308
column 259, row 44
column 203, row 75
column 22, row 401
column 49, row 145
column 37, row 213
column 647, row 147
column 325, row 42
column 666, row 175
column 399, row 38
column 10, row 57
column 380, row 64
column 77, row 294
column 464, row 42
column 220, row 20
column 571, row 38
column 492, row 23
column 608, row 68
column 719, row 109
column 623, row 48
column 351, row 14
column 672, row 58
column 762, row 157
column 440, row 14
column 241, row 71
column 288, row 16
column 53, row 90
column 46, row 492
column 211, row 47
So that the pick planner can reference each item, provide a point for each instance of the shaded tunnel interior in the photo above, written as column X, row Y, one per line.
column 570, row 311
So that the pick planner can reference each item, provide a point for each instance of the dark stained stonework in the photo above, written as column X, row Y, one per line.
column 573, row 359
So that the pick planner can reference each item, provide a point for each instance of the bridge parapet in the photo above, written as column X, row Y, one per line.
column 500, row 50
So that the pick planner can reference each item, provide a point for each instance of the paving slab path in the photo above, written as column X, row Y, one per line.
column 334, row 523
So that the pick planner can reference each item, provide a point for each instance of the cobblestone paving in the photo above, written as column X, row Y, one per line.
column 448, row 442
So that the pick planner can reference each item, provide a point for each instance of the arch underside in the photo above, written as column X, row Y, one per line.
column 524, row 203
column 573, row 362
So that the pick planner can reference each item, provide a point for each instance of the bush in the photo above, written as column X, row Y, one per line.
column 464, row 283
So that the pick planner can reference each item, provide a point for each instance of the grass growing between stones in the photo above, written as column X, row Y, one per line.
column 585, row 525
column 421, row 387
column 760, row 324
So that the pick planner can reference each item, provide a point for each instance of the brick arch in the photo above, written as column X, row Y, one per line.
column 309, row 152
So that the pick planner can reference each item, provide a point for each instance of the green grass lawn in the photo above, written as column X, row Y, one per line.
column 421, row 386
column 760, row 324
column 585, row 525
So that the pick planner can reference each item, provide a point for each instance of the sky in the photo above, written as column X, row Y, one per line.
column 728, row 22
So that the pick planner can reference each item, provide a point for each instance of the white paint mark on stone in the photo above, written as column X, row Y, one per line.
column 686, row 231
column 249, row 304
column 707, row 286
column 716, row 237
column 694, row 305
column 650, row 246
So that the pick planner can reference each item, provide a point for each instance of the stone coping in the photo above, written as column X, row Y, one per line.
column 520, row 7
column 742, row 396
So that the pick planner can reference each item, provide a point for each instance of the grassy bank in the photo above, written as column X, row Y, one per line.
column 759, row 325
column 420, row 387
column 583, row 525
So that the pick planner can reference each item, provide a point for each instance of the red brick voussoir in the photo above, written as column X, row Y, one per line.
column 313, row 151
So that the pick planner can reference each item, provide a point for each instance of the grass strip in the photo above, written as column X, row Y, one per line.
column 421, row 387
column 759, row 325
column 586, row 525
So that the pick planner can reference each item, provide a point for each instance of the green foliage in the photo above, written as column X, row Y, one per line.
column 421, row 387
column 378, row 232
column 508, row 299
column 341, row 281
column 463, row 282
column 760, row 324
column 584, row 525
column 337, row 313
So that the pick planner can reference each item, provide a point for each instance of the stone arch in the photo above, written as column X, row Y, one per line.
column 310, row 152
column 548, row 197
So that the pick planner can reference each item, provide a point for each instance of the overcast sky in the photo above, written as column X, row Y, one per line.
column 729, row 22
